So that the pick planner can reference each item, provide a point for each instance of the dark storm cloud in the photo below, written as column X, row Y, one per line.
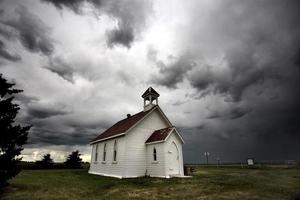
column 69, row 133
column 131, row 16
column 39, row 137
column 30, row 30
column 244, row 67
column 45, row 112
column 173, row 73
column 261, row 47
column 231, row 83
column 21, row 97
column 236, row 149
column 7, row 55
column 74, row 5
column 232, row 113
column 56, row 123
column 60, row 67
column 122, row 36
column 257, row 78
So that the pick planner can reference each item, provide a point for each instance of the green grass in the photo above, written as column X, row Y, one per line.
column 207, row 183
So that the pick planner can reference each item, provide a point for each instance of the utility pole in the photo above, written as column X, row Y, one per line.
column 218, row 161
column 206, row 154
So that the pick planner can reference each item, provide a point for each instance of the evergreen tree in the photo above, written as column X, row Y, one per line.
column 74, row 160
column 12, row 135
column 46, row 162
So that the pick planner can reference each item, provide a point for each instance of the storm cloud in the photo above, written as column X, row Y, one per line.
column 174, row 72
column 30, row 30
column 7, row 55
column 228, row 72
column 60, row 67
column 257, row 74
column 131, row 16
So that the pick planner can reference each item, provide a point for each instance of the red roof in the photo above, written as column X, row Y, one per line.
column 159, row 135
column 122, row 126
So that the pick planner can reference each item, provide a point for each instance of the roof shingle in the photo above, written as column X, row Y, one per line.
column 122, row 126
column 159, row 135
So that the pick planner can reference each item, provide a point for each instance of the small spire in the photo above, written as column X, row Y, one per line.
column 149, row 96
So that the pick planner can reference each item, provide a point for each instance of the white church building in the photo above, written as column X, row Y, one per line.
column 143, row 144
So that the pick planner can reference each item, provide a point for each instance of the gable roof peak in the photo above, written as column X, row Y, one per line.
column 122, row 126
column 150, row 91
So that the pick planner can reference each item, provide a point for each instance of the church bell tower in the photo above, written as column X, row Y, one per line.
column 150, row 97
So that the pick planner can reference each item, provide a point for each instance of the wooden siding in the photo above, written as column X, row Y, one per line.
column 109, row 167
column 135, row 143
column 156, row 168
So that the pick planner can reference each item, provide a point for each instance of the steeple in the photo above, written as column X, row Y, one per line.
column 149, row 96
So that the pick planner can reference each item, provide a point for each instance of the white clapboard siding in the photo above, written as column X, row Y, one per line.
column 156, row 168
column 135, row 143
column 109, row 167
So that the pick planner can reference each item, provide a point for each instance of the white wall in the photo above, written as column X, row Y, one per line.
column 109, row 167
column 173, row 138
column 156, row 168
column 135, row 143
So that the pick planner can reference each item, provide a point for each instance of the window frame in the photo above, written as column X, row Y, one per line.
column 154, row 154
column 104, row 153
column 96, row 153
column 115, row 151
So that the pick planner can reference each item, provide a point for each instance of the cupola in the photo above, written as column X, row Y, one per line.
column 150, row 97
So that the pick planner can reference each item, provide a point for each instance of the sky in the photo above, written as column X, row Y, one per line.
column 228, row 72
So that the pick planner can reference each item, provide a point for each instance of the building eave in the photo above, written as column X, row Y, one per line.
column 107, row 138
column 137, row 123
column 160, row 141
column 155, row 142
column 174, row 129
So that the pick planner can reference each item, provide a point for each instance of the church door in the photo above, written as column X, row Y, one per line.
column 173, row 155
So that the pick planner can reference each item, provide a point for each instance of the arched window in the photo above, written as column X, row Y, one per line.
column 154, row 154
column 104, row 152
column 115, row 151
column 96, row 153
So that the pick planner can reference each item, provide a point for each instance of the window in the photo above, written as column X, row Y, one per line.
column 115, row 151
column 96, row 153
column 154, row 154
column 104, row 152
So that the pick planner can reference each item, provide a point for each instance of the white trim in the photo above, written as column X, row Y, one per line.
column 140, row 120
column 159, row 141
column 107, row 138
column 120, row 177
column 155, row 142
column 177, row 134
column 102, row 174
column 160, row 176
column 165, row 117
column 173, row 128
column 131, row 176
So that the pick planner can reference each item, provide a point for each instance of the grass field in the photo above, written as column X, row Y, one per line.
column 207, row 183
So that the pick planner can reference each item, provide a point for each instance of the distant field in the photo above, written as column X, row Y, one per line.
column 207, row 183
